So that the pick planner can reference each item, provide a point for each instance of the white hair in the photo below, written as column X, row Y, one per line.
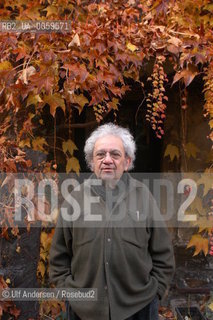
column 114, row 130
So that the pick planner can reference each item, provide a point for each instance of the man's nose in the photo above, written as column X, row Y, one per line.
column 108, row 158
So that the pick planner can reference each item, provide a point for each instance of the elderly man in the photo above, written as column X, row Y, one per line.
column 127, row 255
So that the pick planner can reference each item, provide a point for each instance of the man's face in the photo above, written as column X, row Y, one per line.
column 109, row 159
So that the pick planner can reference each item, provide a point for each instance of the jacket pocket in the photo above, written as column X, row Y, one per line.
column 82, row 236
column 134, row 231
column 129, row 235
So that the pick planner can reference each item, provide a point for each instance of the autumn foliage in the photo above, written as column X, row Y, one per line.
column 88, row 67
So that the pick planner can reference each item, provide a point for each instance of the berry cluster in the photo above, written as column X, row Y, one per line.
column 156, row 106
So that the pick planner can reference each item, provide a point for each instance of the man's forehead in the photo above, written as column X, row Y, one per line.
column 109, row 143
column 107, row 149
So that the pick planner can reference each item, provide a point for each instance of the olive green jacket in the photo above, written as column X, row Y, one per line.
column 127, row 261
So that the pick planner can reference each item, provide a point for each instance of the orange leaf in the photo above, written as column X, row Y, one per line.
column 72, row 165
column 187, row 75
column 25, row 142
column 81, row 100
column 175, row 41
column 70, row 146
column 41, row 268
column 200, row 244
column 15, row 312
column 39, row 143
column 51, row 10
column 5, row 65
column 54, row 100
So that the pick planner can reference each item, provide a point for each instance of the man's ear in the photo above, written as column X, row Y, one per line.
column 128, row 163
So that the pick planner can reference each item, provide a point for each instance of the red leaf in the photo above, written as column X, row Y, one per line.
column 187, row 75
